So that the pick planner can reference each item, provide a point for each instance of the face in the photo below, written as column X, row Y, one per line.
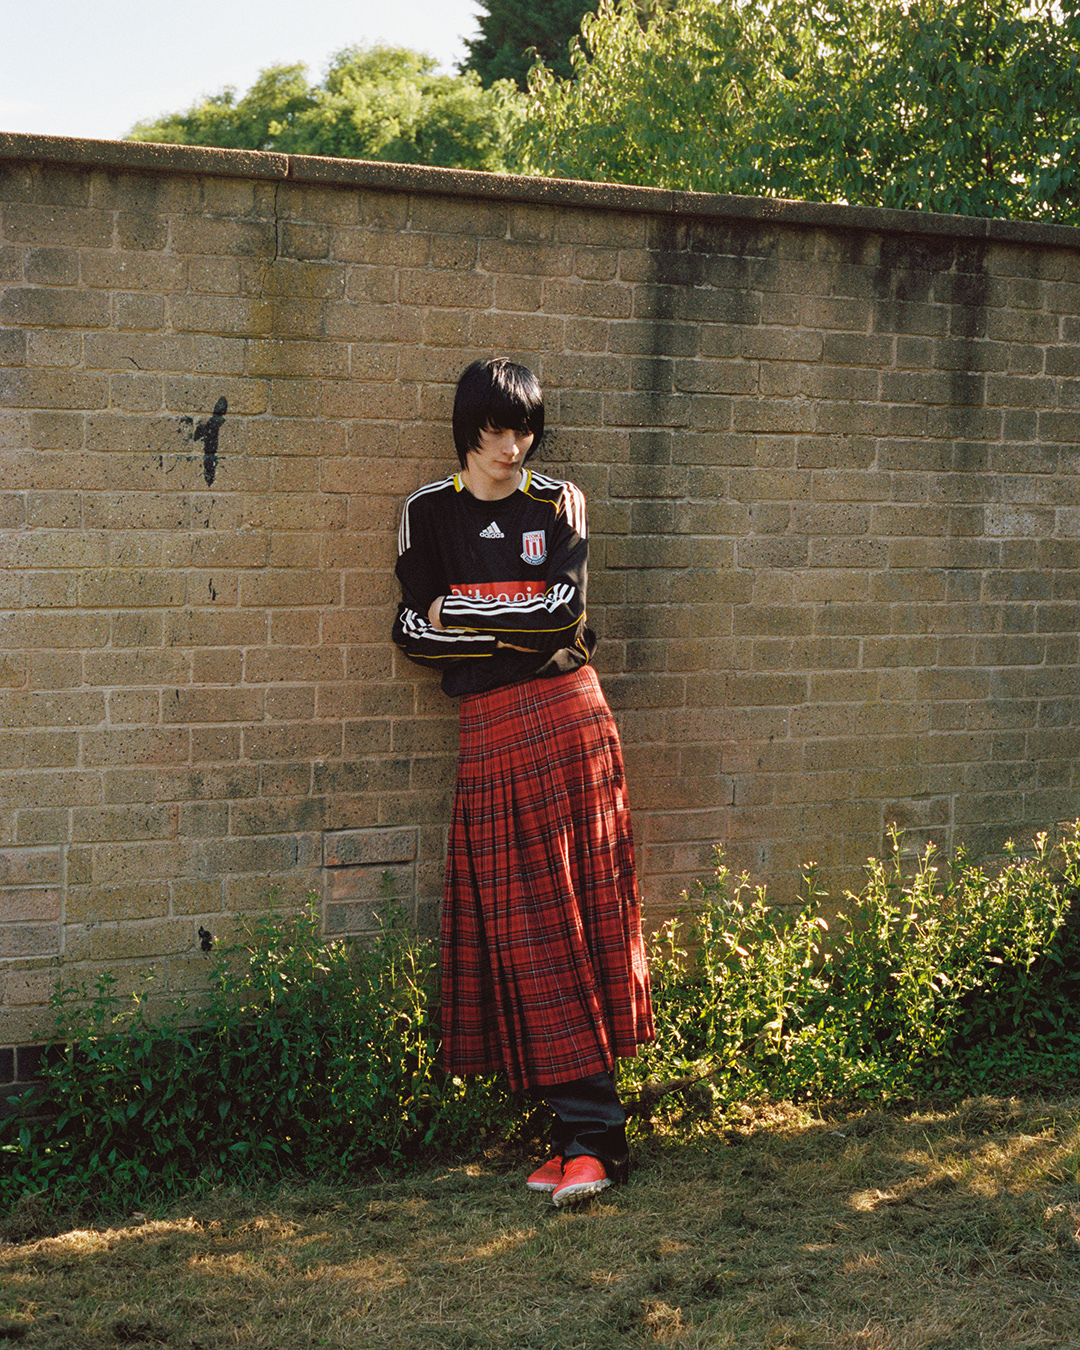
column 494, row 467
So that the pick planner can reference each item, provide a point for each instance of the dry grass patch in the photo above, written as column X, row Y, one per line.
column 947, row 1230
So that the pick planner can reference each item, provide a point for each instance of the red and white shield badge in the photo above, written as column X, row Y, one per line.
column 533, row 546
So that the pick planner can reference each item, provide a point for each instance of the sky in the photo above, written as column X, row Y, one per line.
column 78, row 68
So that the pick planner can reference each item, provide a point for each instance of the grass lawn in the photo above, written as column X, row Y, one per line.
column 946, row 1229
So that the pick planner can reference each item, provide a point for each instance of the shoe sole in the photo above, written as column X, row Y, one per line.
column 541, row 1185
column 569, row 1194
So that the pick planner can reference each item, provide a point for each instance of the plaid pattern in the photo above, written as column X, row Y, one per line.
column 544, row 970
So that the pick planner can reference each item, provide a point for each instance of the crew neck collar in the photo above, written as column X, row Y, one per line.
column 491, row 504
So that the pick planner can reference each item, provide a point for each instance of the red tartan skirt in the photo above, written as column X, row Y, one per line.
column 543, row 963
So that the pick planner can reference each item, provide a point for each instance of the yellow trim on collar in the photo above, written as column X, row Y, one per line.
column 523, row 486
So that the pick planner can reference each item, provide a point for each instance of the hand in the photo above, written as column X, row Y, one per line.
column 434, row 612
column 513, row 647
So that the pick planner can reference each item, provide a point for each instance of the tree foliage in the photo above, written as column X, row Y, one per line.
column 966, row 106
column 514, row 34
column 383, row 103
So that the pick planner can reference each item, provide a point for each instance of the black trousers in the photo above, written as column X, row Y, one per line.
column 589, row 1119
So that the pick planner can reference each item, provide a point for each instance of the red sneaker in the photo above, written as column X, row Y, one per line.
column 546, row 1178
column 582, row 1177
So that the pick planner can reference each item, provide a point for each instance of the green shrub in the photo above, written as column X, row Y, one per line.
column 944, row 978
column 307, row 1057
column 1021, row 1026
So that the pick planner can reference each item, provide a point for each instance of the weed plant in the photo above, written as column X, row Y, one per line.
column 317, row 1058
column 308, row 1057
column 939, row 978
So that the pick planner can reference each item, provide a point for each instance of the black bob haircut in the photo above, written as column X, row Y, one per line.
column 497, row 393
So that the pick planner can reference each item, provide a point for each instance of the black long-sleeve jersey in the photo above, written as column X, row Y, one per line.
column 513, row 570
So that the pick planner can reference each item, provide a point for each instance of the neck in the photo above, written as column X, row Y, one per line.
column 491, row 492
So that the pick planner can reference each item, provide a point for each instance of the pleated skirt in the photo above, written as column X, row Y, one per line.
column 543, row 964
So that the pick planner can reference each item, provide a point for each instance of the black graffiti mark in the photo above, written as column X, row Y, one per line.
column 207, row 432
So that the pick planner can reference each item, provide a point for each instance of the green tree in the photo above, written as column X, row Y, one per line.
column 277, row 98
column 383, row 103
column 967, row 106
column 513, row 35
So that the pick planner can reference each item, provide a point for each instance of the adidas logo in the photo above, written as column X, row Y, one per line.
column 492, row 532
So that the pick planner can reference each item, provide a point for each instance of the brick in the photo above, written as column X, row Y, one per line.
column 135, row 941
column 445, row 289
column 291, row 742
column 526, row 257
column 197, row 897
column 51, row 266
column 228, row 237
column 29, row 867
column 21, row 940
column 282, row 780
column 715, row 377
column 53, row 226
column 12, row 347
column 290, row 703
column 52, row 389
column 121, row 863
column 287, row 589
column 216, row 667
column 43, row 826
column 587, row 298
column 253, row 856
column 12, row 670
column 53, row 347
column 212, row 705
column 130, row 587
column 51, row 709
column 365, row 916
column 30, row 904
column 472, row 218
column 292, row 665
column 280, row 893
column 116, row 903
column 277, row 815
column 146, row 745
column 53, row 307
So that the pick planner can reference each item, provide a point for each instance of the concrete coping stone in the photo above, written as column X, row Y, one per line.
column 143, row 156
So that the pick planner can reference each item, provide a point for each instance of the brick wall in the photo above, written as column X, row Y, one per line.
column 831, row 459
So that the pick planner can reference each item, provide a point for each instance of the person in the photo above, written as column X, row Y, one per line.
column 543, row 963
